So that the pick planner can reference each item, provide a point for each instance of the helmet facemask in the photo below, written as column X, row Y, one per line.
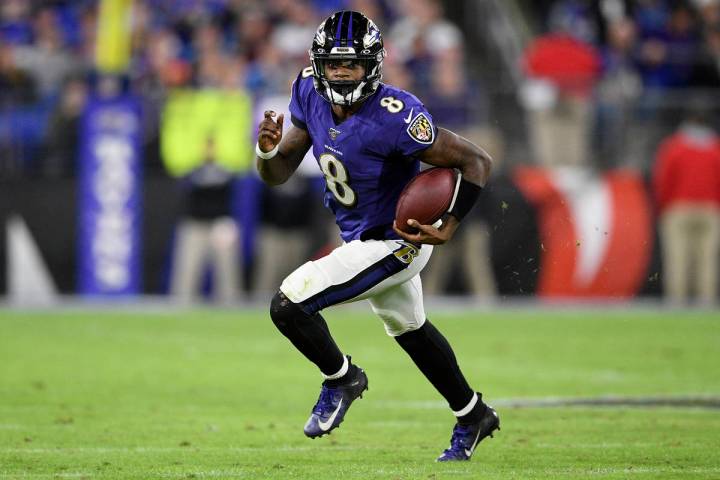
column 347, row 37
column 346, row 92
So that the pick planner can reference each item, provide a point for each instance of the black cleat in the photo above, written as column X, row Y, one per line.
column 466, row 437
column 333, row 404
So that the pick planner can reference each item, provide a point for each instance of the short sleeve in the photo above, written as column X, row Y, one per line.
column 297, row 102
column 417, row 132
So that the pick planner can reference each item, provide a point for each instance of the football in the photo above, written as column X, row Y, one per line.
column 426, row 198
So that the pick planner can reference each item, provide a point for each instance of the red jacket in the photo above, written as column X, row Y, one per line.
column 572, row 65
column 687, row 169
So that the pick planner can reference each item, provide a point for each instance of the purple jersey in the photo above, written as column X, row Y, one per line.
column 367, row 159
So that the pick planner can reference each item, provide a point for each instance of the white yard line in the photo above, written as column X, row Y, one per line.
column 646, row 401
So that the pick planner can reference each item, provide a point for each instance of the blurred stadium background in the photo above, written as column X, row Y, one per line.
column 127, row 132
column 126, row 185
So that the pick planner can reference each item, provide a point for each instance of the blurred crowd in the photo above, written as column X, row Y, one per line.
column 47, row 59
column 603, row 84
column 616, row 70
column 666, row 43
column 634, row 83
column 615, row 65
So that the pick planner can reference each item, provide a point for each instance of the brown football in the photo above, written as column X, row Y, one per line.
column 426, row 198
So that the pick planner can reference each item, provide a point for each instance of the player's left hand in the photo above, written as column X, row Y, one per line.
column 428, row 234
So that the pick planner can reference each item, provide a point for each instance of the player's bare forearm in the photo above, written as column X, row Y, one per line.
column 292, row 148
column 453, row 151
column 291, row 151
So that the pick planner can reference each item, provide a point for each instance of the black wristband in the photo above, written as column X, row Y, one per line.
column 465, row 197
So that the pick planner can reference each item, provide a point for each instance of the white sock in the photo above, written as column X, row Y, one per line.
column 343, row 370
column 468, row 408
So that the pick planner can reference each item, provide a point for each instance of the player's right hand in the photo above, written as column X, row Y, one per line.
column 270, row 131
column 427, row 233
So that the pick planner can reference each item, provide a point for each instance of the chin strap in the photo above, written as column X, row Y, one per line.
column 347, row 99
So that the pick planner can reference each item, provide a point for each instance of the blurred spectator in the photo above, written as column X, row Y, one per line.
column 20, row 123
column 709, row 12
column 424, row 31
column 291, row 36
column 616, row 96
column 156, row 68
column 575, row 17
column 207, row 39
column 667, row 54
column 207, row 234
column 571, row 65
column 561, row 74
column 61, row 154
column 201, row 144
column 268, row 75
column 15, row 27
column 651, row 17
column 285, row 232
column 397, row 74
column 327, row 7
column 422, row 37
column 375, row 9
column 252, row 32
column 160, row 64
column 686, row 180
column 450, row 100
column 16, row 85
column 706, row 71
column 46, row 59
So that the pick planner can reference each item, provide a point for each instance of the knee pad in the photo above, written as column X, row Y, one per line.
column 283, row 312
column 414, row 339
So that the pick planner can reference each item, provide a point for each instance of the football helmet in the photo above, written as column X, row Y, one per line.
column 347, row 36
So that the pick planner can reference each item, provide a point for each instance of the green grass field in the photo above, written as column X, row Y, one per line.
column 220, row 394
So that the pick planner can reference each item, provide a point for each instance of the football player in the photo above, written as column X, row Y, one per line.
column 368, row 139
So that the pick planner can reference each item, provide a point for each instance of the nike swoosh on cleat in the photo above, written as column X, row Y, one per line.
column 409, row 117
column 470, row 452
column 325, row 426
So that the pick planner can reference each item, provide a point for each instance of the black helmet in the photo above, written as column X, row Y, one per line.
column 349, row 36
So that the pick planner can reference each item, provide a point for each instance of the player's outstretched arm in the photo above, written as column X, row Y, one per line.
column 278, row 157
column 452, row 151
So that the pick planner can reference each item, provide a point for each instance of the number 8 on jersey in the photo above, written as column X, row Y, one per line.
column 337, row 180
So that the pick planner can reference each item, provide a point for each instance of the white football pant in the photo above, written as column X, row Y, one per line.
column 386, row 272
